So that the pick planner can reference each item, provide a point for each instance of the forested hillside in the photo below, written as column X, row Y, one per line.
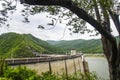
column 88, row 46
column 26, row 45
column 23, row 45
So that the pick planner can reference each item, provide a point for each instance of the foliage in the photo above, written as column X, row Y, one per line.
column 88, row 46
column 21, row 73
column 23, row 45
column 3, row 66
column 79, row 76
column 17, row 73
column 3, row 78
column 49, row 76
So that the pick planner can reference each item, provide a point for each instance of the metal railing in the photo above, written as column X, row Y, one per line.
column 17, row 61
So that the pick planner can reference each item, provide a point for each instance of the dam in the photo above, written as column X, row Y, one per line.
column 58, row 64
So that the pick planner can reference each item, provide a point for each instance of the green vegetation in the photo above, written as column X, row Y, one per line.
column 86, row 46
column 23, row 73
column 78, row 76
column 26, row 45
column 2, row 65
column 23, row 45
column 19, row 73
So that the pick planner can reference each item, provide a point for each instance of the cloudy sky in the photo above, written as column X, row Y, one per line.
column 60, row 32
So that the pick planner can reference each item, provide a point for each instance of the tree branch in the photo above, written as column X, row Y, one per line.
column 75, row 9
column 47, row 2
column 115, row 19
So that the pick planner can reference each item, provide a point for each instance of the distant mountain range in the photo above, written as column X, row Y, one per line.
column 26, row 45
column 86, row 46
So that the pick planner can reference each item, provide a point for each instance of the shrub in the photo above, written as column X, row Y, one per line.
column 3, row 66
column 21, row 73
column 48, row 76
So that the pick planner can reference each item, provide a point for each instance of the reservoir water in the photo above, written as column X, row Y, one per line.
column 98, row 65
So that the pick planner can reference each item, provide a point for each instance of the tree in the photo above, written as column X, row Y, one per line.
column 104, row 11
column 101, row 24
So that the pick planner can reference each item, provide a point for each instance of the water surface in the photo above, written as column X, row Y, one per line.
column 99, row 65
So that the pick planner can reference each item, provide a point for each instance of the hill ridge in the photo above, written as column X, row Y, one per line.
column 86, row 46
column 23, row 45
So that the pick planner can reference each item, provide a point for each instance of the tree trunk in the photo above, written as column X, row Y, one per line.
column 114, row 66
column 118, row 61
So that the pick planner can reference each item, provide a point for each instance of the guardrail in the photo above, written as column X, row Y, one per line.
column 16, row 61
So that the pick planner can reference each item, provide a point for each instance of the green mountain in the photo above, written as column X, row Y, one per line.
column 23, row 45
column 86, row 46
column 26, row 45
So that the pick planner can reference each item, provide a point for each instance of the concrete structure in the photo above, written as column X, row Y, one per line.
column 57, row 64
column 48, row 58
column 73, row 52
